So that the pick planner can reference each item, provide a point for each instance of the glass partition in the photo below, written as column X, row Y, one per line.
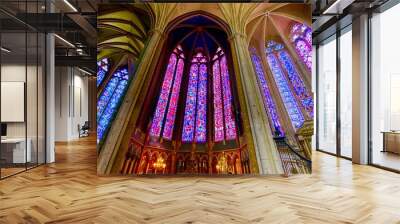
column 327, row 95
column 22, row 101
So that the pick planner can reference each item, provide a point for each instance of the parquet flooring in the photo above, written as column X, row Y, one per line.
column 70, row 192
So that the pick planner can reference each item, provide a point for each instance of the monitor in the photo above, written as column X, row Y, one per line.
column 3, row 129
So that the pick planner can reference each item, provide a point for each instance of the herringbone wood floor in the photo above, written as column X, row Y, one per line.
column 70, row 192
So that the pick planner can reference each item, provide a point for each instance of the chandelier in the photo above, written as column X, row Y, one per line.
column 222, row 165
column 160, row 163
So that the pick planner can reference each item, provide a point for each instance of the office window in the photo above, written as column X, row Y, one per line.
column 385, row 89
column 327, row 95
column 346, row 93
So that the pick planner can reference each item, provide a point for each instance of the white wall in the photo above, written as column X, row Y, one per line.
column 71, row 102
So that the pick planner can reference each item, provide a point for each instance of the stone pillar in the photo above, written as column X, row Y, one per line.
column 360, row 90
column 126, row 112
column 255, row 121
column 50, row 92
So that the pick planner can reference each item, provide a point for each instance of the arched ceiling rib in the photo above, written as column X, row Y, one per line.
column 122, row 30
column 198, row 31
column 273, row 22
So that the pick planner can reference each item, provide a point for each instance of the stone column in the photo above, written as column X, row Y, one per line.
column 128, row 107
column 50, row 98
column 360, row 90
column 50, row 92
column 256, row 127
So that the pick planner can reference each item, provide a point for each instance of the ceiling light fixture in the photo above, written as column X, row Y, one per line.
column 337, row 7
column 64, row 40
column 70, row 5
column 84, row 71
column 5, row 50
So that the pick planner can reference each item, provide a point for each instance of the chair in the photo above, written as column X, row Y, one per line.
column 84, row 130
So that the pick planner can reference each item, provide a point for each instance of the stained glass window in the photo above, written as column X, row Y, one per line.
column 269, row 103
column 287, row 96
column 109, row 100
column 169, row 96
column 102, row 68
column 218, row 114
column 195, row 108
column 299, row 88
column 301, row 37
column 195, row 118
column 201, row 117
column 224, row 122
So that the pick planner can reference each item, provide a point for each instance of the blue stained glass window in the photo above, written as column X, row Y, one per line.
column 102, row 68
column 269, row 103
column 190, row 109
column 201, row 118
column 109, row 100
column 195, row 118
column 298, row 85
column 287, row 96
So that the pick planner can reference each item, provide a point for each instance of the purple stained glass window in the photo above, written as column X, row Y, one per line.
column 201, row 117
column 269, row 103
column 301, row 36
column 190, row 109
column 164, row 116
column 218, row 110
column 287, row 96
column 230, row 126
column 224, row 122
column 169, row 123
column 159, row 114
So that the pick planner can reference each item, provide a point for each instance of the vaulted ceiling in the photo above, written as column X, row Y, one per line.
column 122, row 30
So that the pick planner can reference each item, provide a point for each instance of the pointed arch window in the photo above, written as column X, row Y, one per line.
column 282, row 83
column 195, row 118
column 301, row 37
column 164, row 116
column 269, row 103
column 224, row 122
column 109, row 100
column 102, row 68
column 298, row 86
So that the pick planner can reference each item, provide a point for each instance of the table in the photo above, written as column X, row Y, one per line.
column 13, row 150
column 391, row 141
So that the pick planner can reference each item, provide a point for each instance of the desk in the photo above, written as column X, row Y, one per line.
column 391, row 142
column 13, row 150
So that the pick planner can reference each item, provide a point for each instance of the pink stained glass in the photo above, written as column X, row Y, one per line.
column 218, row 110
column 304, row 50
column 159, row 114
column 171, row 113
column 301, row 36
column 230, row 126
column 190, row 108
column 201, row 118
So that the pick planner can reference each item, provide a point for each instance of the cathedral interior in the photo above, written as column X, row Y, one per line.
column 204, row 89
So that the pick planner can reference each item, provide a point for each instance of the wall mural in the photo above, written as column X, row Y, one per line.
column 202, row 89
